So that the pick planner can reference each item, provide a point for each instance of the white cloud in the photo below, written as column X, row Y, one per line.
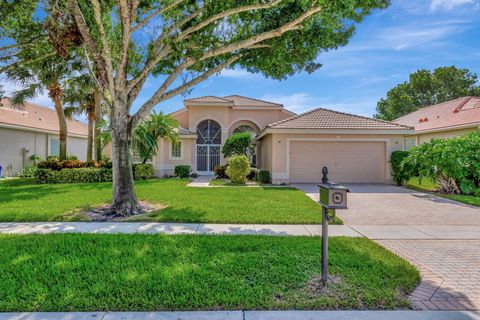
column 420, row 34
column 448, row 5
column 237, row 73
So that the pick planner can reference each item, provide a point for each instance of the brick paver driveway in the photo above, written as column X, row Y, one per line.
column 450, row 268
column 385, row 205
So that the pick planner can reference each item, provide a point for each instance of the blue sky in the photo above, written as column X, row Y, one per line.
column 386, row 47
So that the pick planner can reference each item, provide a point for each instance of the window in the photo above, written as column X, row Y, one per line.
column 209, row 132
column 176, row 152
column 54, row 147
column 243, row 128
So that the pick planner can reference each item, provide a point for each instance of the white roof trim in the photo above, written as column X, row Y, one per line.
column 32, row 129
column 450, row 128
column 338, row 131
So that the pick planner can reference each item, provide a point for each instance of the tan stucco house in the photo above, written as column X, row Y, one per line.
column 294, row 148
column 444, row 120
column 32, row 129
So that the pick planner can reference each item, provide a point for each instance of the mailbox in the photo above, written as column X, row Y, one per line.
column 333, row 196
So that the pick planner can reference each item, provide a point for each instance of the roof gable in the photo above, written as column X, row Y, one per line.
column 453, row 113
column 232, row 100
column 321, row 118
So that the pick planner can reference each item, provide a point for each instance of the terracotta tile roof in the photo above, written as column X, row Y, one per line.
column 321, row 118
column 208, row 99
column 34, row 116
column 246, row 101
column 235, row 100
column 458, row 112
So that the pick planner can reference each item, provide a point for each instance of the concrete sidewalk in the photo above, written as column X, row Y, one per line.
column 172, row 228
column 201, row 181
column 371, row 232
column 247, row 315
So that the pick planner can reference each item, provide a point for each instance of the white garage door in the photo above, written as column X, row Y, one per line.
column 347, row 162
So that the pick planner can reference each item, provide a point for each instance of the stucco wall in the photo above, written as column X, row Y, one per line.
column 12, row 141
column 442, row 135
column 164, row 164
column 227, row 117
column 279, row 148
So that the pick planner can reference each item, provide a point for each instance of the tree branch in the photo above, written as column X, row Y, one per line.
column 160, row 95
column 89, row 41
column 225, row 14
column 125, row 12
column 154, row 13
column 293, row 25
column 107, row 57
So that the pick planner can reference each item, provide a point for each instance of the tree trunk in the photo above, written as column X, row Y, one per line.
column 91, row 120
column 125, row 201
column 97, row 96
column 62, row 121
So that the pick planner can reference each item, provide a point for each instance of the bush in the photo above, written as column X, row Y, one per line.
column 453, row 163
column 252, row 175
column 183, row 171
column 71, row 164
column 77, row 175
column 400, row 173
column 238, row 168
column 51, row 163
column 220, row 171
column 142, row 171
column 27, row 172
column 72, row 158
column 264, row 177
column 238, row 144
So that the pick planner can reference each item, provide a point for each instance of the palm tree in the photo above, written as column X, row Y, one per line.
column 146, row 135
column 80, row 99
column 48, row 74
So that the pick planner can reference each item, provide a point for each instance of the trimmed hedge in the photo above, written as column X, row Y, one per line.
column 76, row 175
column 264, row 177
column 142, row 171
column 183, row 171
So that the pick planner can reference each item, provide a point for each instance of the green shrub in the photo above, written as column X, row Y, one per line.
column 238, row 168
column 76, row 175
column 453, row 163
column 252, row 175
column 264, row 177
column 27, row 172
column 238, row 144
column 220, row 171
column 142, row 171
column 51, row 163
column 183, row 171
column 72, row 158
column 71, row 164
column 400, row 173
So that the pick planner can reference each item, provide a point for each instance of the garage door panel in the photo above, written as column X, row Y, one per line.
column 353, row 162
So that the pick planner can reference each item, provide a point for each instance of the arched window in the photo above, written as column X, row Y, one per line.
column 209, row 132
column 244, row 128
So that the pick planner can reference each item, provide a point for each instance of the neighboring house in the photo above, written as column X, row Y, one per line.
column 33, row 130
column 294, row 148
column 444, row 120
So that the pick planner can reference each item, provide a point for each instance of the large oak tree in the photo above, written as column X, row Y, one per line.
column 183, row 42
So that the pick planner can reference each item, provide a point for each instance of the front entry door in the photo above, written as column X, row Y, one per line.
column 208, row 156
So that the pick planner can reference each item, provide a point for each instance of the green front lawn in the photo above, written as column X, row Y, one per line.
column 21, row 200
column 85, row 272
column 430, row 186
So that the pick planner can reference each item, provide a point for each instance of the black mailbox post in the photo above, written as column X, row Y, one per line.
column 332, row 196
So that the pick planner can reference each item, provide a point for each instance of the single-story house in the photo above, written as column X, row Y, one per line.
column 444, row 120
column 294, row 148
column 32, row 129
